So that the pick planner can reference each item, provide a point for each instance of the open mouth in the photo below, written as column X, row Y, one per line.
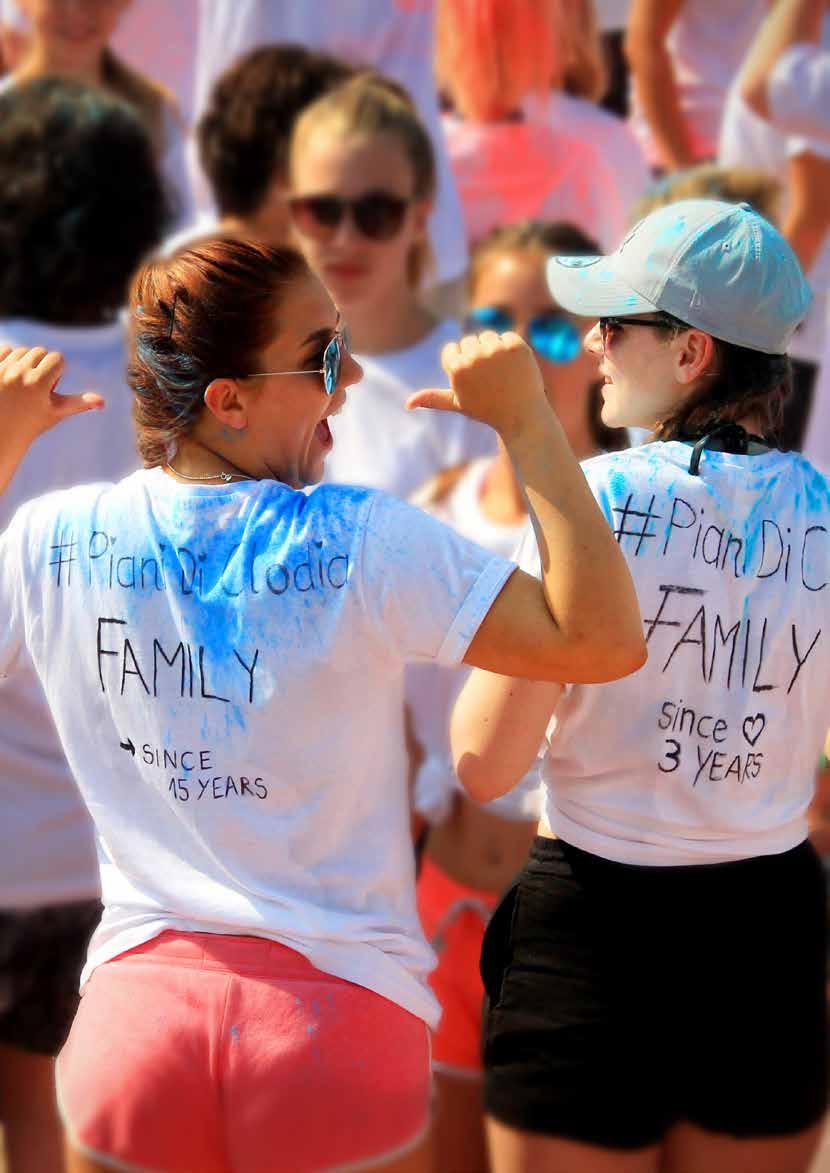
column 323, row 433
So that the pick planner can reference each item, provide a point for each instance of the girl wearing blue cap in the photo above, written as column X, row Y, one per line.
column 656, row 976
column 473, row 852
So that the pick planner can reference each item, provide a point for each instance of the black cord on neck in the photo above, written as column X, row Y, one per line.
column 732, row 437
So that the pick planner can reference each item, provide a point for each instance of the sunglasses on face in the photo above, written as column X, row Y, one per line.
column 377, row 215
column 611, row 328
column 332, row 363
column 553, row 336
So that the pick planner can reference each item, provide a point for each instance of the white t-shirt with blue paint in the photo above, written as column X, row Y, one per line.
column 708, row 753
column 225, row 670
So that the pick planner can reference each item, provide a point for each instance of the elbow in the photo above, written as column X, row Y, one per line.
column 598, row 661
column 480, row 781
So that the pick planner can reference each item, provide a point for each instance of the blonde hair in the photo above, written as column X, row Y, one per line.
column 492, row 54
column 370, row 104
column 735, row 185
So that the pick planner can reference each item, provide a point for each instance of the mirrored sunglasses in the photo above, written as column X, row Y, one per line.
column 553, row 336
column 332, row 363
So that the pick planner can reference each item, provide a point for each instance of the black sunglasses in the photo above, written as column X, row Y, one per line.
column 377, row 215
column 609, row 326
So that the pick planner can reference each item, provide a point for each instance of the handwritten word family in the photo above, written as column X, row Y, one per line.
column 724, row 650
column 96, row 560
column 766, row 550
column 182, row 670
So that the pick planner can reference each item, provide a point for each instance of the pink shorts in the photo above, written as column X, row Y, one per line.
column 454, row 918
column 219, row 1054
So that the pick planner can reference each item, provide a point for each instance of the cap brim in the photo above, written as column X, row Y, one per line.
column 591, row 288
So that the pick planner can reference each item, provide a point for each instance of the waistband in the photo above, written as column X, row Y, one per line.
column 446, row 891
column 220, row 951
column 557, row 854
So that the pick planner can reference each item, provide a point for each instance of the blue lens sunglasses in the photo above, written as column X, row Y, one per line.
column 330, row 370
column 553, row 336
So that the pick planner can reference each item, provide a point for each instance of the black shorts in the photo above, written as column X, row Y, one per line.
column 622, row 999
column 42, row 953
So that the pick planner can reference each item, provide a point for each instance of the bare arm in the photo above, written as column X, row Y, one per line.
column 791, row 22
column 807, row 221
column 652, row 72
column 29, row 404
column 582, row 622
column 497, row 727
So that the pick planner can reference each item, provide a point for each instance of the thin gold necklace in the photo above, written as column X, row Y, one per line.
column 211, row 476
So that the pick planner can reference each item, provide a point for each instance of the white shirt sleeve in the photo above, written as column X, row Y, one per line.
column 425, row 588
column 799, row 92
column 12, row 629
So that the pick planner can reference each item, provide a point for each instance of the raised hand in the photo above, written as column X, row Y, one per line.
column 494, row 378
column 29, row 404
column 28, row 399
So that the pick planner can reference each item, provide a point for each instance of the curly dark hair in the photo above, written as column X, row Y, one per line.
column 245, row 132
column 81, row 202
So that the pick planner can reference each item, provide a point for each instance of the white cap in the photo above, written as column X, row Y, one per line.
column 716, row 266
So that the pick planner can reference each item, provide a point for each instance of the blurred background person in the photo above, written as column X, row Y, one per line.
column 80, row 203
column 526, row 138
column 362, row 175
column 155, row 37
column 785, row 81
column 683, row 56
column 612, row 18
column 802, row 163
column 393, row 37
column 472, row 851
column 68, row 39
column 243, row 138
column 786, row 75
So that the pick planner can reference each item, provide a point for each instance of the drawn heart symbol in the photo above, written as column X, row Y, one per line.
column 753, row 727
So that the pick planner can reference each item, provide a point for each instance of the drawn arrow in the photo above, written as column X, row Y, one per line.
column 128, row 745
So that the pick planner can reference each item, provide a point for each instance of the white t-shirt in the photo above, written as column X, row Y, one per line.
column 225, row 669
column 431, row 690
column 798, row 91
column 393, row 36
column 706, row 43
column 565, row 159
column 748, row 140
column 47, row 854
column 379, row 444
column 708, row 753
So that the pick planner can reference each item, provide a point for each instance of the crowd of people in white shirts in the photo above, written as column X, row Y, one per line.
column 355, row 812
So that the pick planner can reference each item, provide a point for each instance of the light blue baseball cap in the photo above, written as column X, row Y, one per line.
column 719, row 267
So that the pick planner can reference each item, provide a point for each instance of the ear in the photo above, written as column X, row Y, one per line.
column 694, row 356
column 227, row 402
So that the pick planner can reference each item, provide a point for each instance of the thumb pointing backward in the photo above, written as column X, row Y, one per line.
column 438, row 398
column 66, row 405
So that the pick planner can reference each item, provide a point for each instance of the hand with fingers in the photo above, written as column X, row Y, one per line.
column 494, row 378
column 29, row 403
column 28, row 399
